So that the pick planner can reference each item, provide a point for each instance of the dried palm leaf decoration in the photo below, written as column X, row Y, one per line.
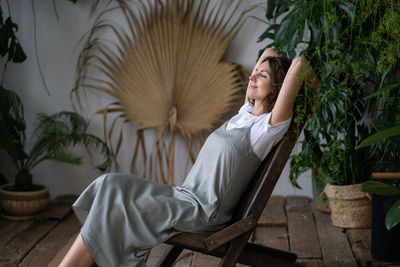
column 167, row 72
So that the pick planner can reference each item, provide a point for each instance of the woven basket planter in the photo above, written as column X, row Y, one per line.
column 350, row 207
column 22, row 205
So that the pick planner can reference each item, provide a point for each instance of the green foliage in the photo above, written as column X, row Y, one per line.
column 9, row 43
column 12, row 125
column 54, row 135
column 380, row 136
column 380, row 188
column 393, row 216
column 353, row 46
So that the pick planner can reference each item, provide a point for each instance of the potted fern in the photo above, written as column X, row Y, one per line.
column 54, row 135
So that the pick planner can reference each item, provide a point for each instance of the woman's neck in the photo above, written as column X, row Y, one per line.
column 259, row 108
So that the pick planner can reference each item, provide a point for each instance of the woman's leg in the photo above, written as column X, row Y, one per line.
column 77, row 255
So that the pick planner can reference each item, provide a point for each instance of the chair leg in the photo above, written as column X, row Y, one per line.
column 169, row 256
column 234, row 250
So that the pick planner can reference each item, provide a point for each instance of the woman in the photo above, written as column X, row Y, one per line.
column 124, row 215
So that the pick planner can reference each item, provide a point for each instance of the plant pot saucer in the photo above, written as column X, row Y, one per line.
column 15, row 217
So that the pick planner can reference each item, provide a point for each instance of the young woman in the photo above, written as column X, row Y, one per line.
column 125, row 215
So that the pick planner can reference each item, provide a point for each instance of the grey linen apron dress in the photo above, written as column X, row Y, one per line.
column 125, row 215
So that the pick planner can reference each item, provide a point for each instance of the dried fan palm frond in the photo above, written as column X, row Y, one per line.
column 167, row 73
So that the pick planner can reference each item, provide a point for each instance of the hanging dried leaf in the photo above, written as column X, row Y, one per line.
column 168, row 72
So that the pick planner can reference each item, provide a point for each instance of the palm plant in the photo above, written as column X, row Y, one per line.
column 54, row 134
column 167, row 73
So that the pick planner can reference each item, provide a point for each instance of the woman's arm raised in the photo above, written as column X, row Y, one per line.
column 300, row 71
column 269, row 52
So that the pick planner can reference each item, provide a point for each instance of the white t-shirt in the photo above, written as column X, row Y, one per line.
column 263, row 136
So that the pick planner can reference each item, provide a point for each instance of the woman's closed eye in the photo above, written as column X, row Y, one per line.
column 262, row 73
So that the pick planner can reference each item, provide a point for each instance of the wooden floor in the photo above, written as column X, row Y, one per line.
column 291, row 224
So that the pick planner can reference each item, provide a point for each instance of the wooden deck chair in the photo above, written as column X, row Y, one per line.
column 231, row 243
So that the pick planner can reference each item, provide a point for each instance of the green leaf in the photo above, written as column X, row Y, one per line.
column 271, row 4
column 379, row 136
column 59, row 131
column 19, row 55
column 380, row 188
column 372, row 95
column 393, row 216
column 349, row 8
column 9, row 43
column 12, row 126
column 67, row 157
column 269, row 33
column 281, row 8
column 380, row 124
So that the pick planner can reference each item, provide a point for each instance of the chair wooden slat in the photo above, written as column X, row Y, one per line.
column 229, row 233
column 253, row 254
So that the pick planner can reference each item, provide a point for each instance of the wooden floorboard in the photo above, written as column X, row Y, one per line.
column 360, row 241
column 336, row 250
column 25, row 241
column 291, row 224
column 274, row 213
column 45, row 250
column 310, row 262
column 10, row 229
column 274, row 237
column 303, row 237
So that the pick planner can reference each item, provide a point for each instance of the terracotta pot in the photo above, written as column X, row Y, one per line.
column 350, row 207
column 20, row 205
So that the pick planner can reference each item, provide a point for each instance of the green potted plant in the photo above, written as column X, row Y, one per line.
column 54, row 134
column 353, row 51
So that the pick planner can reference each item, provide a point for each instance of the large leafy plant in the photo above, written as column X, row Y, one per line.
column 54, row 135
column 353, row 48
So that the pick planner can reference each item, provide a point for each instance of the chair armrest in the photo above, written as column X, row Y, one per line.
column 229, row 233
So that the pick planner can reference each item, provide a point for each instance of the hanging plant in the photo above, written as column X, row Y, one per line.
column 167, row 74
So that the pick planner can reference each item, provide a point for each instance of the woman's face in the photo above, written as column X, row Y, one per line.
column 260, row 82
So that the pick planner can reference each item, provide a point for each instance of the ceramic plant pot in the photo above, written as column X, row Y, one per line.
column 21, row 205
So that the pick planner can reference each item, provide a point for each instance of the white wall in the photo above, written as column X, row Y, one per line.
column 58, row 51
